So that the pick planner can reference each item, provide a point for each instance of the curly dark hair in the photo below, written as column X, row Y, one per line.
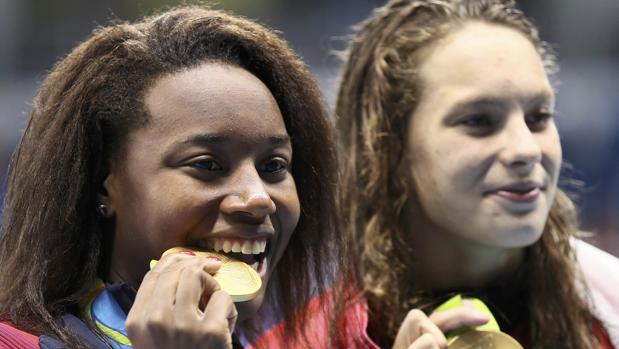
column 379, row 90
column 53, row 243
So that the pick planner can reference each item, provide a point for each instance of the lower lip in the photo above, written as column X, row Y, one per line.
column 529, row 196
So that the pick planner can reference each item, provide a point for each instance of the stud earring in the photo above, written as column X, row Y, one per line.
column 102, row 210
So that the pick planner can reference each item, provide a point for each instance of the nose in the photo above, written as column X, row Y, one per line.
column 248, row 196
column 521, row 149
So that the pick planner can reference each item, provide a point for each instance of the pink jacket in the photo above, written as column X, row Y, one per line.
column 601, row 273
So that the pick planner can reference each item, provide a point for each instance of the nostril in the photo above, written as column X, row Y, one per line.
column 257, row 206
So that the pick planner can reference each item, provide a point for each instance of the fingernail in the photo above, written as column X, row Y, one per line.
column 481, row 316
column 212, row 262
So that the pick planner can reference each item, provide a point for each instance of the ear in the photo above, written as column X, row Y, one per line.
column 106, row 195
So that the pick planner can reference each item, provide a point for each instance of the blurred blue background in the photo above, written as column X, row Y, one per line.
column 34, row 34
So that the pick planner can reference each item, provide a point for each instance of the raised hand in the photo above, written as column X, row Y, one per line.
column 180, row 305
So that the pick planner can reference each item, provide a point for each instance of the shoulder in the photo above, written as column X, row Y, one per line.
column 599, row 269
column 14, row 338
column 600, row 273
column 352, row 329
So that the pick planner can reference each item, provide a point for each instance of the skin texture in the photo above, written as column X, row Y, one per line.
column 477, row 129
column 213, row 162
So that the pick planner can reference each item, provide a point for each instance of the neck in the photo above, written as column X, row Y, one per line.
column 119, row 274
column 444, row 260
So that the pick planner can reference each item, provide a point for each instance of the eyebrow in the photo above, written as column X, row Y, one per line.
column 532, row 100
column 279, row 140
column 206, row 139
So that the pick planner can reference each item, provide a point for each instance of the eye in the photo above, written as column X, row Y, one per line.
column 479, row 125
column 477, row 121
column 275, row 165
column 206, row 165
column 538, row 121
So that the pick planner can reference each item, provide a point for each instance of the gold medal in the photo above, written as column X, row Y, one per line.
column 236, row 278
column 487, row 336
column 477, row 339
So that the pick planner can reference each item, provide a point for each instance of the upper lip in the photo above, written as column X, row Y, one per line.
column 243, row 232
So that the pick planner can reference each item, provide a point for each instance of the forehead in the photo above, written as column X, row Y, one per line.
column 212, row 97
column 482, row 58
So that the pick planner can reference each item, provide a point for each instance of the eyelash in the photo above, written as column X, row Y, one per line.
column 283, row 165
column 213, row 165
column 197, row 164
column 477, row 121
column 541, row 118
column 484, row 122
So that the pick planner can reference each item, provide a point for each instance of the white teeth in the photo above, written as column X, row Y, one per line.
column 255, row 266
column 217, row 245
column 227, row 246
column 256, row 247
column 246, row 249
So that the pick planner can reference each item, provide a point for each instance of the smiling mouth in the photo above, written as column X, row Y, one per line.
column 252, row 252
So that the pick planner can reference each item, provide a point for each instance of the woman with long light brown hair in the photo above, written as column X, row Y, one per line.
column 452, row 161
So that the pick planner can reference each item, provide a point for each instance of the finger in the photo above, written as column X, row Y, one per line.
column 423, row 325
column 427, row 341
column 211, row 266
column 172, row 262
column 147, row 314
column 176, row 261
column 144, row 296
column 415, row 325
column 195, row 286
column 455, row 318
column 189, row 291
column 169, row 265
column 430, row 328
column 221, row 308
column 167, row 284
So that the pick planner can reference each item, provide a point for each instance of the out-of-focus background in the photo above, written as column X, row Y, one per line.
column 34, row 34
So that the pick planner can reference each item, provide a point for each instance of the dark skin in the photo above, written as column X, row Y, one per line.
column 212, row 164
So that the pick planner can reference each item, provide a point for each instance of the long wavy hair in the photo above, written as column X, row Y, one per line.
column 53, row 242
column 378, row 92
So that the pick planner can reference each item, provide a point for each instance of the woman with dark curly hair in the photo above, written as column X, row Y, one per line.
column 176, row 130
column 451, row 181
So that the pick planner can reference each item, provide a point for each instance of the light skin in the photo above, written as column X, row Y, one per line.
column 211, row 165
column 484, row 158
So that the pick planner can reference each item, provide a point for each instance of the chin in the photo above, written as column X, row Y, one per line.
column 519, row 237
column 248, row 309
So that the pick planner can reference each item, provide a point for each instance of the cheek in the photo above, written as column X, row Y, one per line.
column 287, row 213
column 446, row 172
column 447, row 185
column 172, row 212
column 289, row 209
column 170, row 206
column 552, row 155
